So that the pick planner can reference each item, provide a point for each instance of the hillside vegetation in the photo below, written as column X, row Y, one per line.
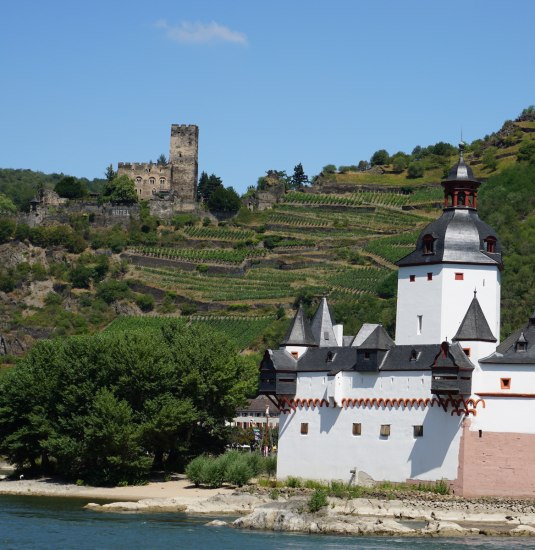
column 339, row 237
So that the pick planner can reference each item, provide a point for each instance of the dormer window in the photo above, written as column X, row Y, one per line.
column 428, row 244
column 414, row 355
column 521, row 344
column 330, row 357
column 490, row 244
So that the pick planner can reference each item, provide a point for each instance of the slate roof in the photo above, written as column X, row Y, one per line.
column 458, row 238
column 300, row 332
column 377, row 339
column 327, row 359
column 365, row 330
column 507, row 352
column 322, row 325
column 452, row 355
column 461, row 171
column 259, row 404
column 474, row 326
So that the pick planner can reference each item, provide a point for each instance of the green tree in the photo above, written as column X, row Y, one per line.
column 121, row 190
column 329, row 169
column 224, row 200
column 110, row 173
column 415, row 170
column 489, row 159
column 299, row 178
column 162, row 160
column 526, row 151
column 103, row 408
column 207, row 186
column 6, row 205
column 71, row 188
column 380, row 157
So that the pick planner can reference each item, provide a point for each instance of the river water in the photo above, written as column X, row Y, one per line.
column 57, row 523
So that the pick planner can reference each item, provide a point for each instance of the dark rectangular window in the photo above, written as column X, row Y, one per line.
column 357, row 428
column 459, row 276
column 366, row 355
column 385, row 430
column 505, row 383
column 418, row 431
column 429, row 276
column 304, row 428
column 466, row 352
column 412, row 278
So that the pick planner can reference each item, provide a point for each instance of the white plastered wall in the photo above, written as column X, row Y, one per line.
column 329, row 450
column 443, row 301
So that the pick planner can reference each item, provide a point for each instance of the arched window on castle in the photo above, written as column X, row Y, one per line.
column 138, row 180
column 162, row 183
column 428, row 244
column 490, row 244
column 152, row 181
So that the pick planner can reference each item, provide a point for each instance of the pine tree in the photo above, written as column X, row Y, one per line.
column 299, row 178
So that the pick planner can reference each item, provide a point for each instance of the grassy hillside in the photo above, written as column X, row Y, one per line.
column 340, row 238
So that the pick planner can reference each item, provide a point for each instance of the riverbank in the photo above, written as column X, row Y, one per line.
column 406, row 514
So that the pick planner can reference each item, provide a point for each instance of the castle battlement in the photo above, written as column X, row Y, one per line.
column 179, row 175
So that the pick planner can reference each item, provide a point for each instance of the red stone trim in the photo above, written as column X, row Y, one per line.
column 459, row 406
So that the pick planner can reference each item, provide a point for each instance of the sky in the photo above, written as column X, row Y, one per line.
column 270, row 84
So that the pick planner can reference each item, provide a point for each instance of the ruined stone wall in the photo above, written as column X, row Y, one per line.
column 183, row 156
column 149, row 179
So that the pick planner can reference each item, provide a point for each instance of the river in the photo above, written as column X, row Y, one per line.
column 58, row 523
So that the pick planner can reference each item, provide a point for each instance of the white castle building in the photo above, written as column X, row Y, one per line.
column 444, row 401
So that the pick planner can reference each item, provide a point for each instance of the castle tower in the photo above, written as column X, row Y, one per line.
column 455, row 255
column 183, row 157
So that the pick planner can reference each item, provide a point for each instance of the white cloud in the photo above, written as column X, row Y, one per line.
column 200, row 33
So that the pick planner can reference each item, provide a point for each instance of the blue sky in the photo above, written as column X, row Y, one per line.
column 270, row 84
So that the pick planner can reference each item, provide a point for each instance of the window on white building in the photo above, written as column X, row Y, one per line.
column 304, row 428
column 385, row 430
column 418, row 431
column 419, row 323
column 505, row 383
column 357, row 428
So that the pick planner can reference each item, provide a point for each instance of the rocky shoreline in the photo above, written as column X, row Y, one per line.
column 395, row 513
column 408, row 516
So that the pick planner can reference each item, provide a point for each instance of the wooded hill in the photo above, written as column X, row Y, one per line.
column 339, row 237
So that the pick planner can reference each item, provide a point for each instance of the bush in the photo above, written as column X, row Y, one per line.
column 238, row 471
column 110, row 291
column 293, row 482
column 195, row 470
column 415, row 170
column 145, row 302
column 317, row 501
column 270, row 466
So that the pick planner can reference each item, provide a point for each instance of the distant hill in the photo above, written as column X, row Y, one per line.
column 340, row 237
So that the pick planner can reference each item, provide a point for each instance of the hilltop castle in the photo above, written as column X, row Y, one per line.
column 177, row 179
column 444, row 401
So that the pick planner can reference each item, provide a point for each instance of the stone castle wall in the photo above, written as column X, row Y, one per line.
column 149, row 179
column 178, row 178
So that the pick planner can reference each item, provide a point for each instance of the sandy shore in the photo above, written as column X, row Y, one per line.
column 181, row 489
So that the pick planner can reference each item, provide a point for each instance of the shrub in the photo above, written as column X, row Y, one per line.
column 270, row 465
column 214, row 473
column 110, row 291
column 195, row 470
column 145, row 302
column 188, row 309
column 238, row 472
column 293, row 482
column 415, row 170
column 317, row 501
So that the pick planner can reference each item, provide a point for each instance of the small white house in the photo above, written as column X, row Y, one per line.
column 442, row 401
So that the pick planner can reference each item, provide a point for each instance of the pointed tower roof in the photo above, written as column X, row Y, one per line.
column 474, row 326
column 322, row 326
column 299, row 333
column 459, row 235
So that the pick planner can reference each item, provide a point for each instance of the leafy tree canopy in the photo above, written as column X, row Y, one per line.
column 105, row 408
column 207, row 185
column 71, row 188
column 224, row 200
column 6, row 205
column 380, row 157
column 299, row 178
column 121, row 189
